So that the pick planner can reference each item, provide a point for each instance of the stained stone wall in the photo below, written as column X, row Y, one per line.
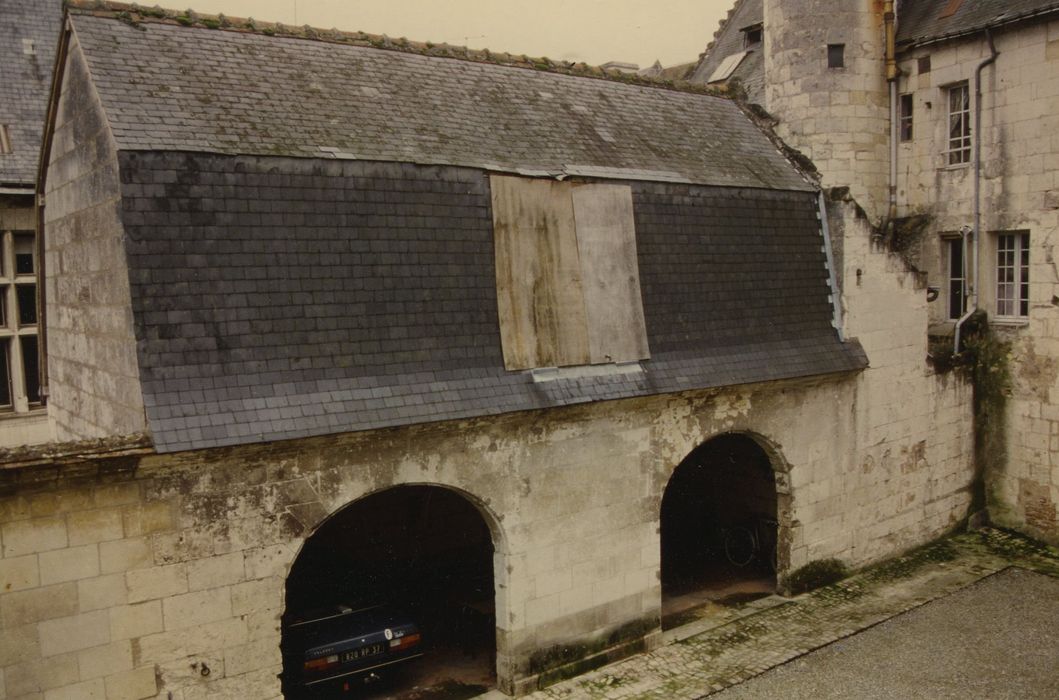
column 121, row 581
column 1020, row 155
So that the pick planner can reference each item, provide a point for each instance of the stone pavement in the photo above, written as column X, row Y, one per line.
column 712, row 655
column 996, row 639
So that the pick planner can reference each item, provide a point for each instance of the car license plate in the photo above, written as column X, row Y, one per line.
column 370, row 650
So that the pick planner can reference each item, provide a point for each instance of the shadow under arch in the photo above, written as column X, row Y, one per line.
column 722, row 524
column 424, row 549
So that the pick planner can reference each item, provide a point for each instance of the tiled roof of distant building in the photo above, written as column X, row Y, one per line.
column 729, row 41
column 28, row 32
column 921, row 21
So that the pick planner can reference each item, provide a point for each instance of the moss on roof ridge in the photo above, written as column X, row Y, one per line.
column 135, row 15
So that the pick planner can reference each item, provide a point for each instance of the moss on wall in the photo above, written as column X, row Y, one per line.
column 984, row 359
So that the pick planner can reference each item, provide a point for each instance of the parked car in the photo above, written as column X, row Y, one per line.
column 340, row 646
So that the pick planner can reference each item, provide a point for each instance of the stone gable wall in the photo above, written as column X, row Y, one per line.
column 93, row 373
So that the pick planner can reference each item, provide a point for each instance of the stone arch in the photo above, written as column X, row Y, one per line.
column 459, row 505
column 734, row 484
column 492, row 521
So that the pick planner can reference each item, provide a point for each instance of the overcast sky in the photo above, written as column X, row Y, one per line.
column 594, row 31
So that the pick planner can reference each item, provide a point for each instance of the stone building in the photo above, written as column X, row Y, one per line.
column 330, row 314
column 959, row 126
column 28, row 31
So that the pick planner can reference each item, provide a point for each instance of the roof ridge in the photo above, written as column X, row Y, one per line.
column 135, row 15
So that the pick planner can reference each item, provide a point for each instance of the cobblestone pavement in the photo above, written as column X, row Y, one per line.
column 704, row 659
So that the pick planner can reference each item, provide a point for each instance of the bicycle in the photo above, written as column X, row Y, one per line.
column 756, row 540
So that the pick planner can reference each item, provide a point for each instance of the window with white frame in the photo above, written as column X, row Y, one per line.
column 957, row 278
column 1013, row 275
column 19, row 350
column 959, row 141
column 906, row 106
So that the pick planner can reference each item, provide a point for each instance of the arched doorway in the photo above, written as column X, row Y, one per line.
column 718, row 528
column 393, row 596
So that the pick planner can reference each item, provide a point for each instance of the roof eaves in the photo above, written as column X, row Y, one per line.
column 1004, row 21
column 135, row 15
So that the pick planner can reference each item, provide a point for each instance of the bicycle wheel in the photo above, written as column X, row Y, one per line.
column 740, row 546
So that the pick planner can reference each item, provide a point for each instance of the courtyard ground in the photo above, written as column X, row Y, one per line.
column 973, row 615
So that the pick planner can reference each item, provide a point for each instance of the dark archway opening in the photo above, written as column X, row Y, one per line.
column 718, row 528
column 393, row 597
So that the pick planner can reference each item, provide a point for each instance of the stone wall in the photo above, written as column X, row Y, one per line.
column 912, row 471
column 838, row 117
column 1020, row 154
column 123, row 584
column 93, row 375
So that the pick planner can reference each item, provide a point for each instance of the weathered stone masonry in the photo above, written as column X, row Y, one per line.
column 181, row 561
column 280, row 383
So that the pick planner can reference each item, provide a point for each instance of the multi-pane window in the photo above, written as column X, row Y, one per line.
column 1013, row 275
column 959, row 143
column 906, row 117
column 19, row 351
column 957, row 278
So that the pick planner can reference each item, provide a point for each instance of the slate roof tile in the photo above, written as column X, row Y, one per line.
column 733, row 280
column 29, row 30
column 920, row 21
column 173, row 88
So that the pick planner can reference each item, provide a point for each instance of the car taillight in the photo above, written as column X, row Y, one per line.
column 409, row 640
column 323, row 663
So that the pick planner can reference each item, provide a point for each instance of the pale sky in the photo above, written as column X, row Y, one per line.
column 594, row 31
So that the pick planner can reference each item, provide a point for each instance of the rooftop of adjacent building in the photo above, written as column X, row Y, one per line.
column 29, row 30
column 926, row 21
column 736, row 55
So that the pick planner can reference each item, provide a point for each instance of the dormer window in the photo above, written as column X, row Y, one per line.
column 752, row 36
column 5, row 140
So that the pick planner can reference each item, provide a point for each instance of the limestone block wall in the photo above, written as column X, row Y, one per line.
column 838, row 117
column 1020, row 159
column 912, row 470
column 121, row 582
column 93, row 373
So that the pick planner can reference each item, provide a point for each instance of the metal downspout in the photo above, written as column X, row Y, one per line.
column 890, row 18
column 973, row 306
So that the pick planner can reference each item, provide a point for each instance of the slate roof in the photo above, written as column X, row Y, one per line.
column 29, row 30
column 279, row 298
column 920, row 21
column 280, row 291
column 175, row 88
column 729, row 40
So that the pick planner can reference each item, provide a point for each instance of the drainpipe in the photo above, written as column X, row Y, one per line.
column 889, row 19
column 973, row 289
